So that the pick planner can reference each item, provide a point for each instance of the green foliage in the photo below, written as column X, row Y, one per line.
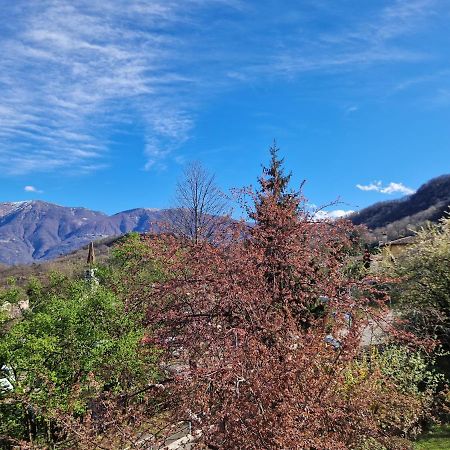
column 131, row 271
column 132, row 263
column 11, row 300
column 423, row 293
column 130, row 251
column 411, row 372
column 405, row 382
column 72, row 344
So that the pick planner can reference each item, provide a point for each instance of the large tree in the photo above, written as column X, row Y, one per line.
column 73, row 367
column 263, row 329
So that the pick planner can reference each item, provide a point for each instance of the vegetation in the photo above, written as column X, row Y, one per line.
column 75, row 348
column 253, row 333
column 421, row 296
column 423, row 292
column 72, row 265
column 267, row 327
column 200, row 206
column 436, row 439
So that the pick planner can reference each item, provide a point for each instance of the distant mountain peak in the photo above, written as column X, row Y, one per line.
column 35, row 230
column 133, row 210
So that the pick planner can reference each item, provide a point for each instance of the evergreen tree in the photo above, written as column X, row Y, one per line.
column 274, row 187
column 276, row 182
column 278, row 219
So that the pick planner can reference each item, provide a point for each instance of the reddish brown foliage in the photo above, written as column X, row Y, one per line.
column 264, row 331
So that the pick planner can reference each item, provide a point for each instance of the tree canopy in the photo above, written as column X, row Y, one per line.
column 74, row 349
column 264, row 328
column 255, row 335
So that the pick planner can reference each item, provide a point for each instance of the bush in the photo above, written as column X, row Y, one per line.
column 423, row 293
column 406, row 396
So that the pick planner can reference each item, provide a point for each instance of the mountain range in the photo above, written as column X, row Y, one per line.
column 36, row 231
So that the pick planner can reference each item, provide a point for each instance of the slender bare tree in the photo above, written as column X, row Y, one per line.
column 200, row 206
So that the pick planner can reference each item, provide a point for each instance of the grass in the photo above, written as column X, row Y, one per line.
column 436, row 439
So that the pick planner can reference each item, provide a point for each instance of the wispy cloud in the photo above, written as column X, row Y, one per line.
column 72, row 73
column 441, row 75
column 363, row 42
column 391, row 188
column 34, row 189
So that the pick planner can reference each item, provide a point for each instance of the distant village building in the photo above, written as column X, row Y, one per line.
column 397, row 247
column 388, row 251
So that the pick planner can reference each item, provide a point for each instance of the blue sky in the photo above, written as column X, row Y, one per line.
column 104, row 102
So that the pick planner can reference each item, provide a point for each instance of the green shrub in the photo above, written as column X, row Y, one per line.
column 422, row 294
column 405, row 382
column 72, row 345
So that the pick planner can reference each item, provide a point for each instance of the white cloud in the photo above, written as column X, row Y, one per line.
column 338, row 213
column 31, row 189
column 334, row 214
column 375, row 186
column 351, row 109
column 391, row 188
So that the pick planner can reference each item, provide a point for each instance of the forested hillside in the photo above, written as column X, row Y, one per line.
column 398, row 218
column 72, row 264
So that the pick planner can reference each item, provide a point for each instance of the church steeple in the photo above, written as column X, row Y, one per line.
column 89, row 275
column 91, row 255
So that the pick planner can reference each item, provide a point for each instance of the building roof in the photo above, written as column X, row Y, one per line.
column 407, row 240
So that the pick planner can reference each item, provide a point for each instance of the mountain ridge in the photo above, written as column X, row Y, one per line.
column 35, row 230
column 398, row 218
